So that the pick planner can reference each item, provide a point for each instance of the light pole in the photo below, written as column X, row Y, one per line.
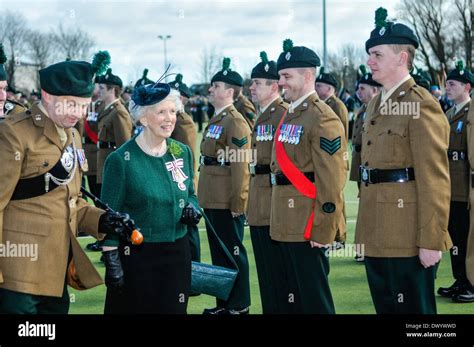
column 325, row 56
column 164, row 38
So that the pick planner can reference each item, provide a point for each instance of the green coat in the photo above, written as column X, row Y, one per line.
column 142, row 186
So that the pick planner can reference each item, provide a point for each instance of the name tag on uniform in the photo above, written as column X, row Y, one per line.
column 214, row 131
column 459, row 127
column 265, row 132
column 290, row 133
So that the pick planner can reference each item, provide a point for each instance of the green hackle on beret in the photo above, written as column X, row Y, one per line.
column 145, row 73
column 381, row 17
column 100, row 62
column 321, row 70
column 179, row 78
column 459, row 65
column 3, row 56
column 363, row 70
column 225, row 64
column 264, row 57
column 287, row 45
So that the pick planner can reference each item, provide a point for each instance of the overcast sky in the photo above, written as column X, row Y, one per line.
column 238, row 29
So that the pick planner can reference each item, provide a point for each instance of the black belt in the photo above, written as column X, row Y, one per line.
column 456, row 155
column 88, row 140
column 279, row 179
column 259, row 169
column 357, row 148
column 472, row 179
column 207, row 161
column 106, row 145
column 374, row 176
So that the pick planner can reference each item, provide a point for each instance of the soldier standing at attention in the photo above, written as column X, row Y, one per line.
column 405, row 190
column 458, row 86
column 242, row 104
column 114, row 122
column 224, row 184
column 367, row 89
column 40, row 200
column 307, row 157
column 271, row 107
column 185, row 132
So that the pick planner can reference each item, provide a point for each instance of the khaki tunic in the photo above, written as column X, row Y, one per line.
column 115, row 125
column 185, row 132
column 226, row 187
column 260, row 194
column 340, row 109
column 470, row 241
column 90, row 148
column 13, row 107
column 245, row 107
column 291, row 210
column 50, row 221
column 396, row 219
column 458, row 168
column 357, row 144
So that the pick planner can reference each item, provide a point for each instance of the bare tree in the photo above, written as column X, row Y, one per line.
column 73, row 43
column 344, row 64
column 14, row 34
column 40, row 49
column 443, row 28
column 210, row 62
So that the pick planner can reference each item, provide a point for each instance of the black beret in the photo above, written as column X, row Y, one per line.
column 294, row 57
column 389, row 33
column 3, row 60
column 366, row 77
column 150, row 94
column 327, row 78
column 180, row 86
column 144, row 80
column 265, row 69
column 461, row 74
column 74, row 78
column 228, row 76
column 110, row 79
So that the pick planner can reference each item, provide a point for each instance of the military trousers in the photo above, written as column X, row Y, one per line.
column 306, row 273
column 458, row 228
column 231, row 231
column 269, row 261
column 12, row 302
column 401, row 285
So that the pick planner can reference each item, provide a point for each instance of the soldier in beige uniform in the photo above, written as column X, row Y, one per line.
column 245, row 107
column 7, row 106
column 405, row 191
column 224, row 183
column 308, row 156
column 185, row 131
column 265, row 93
column 40, row 201
column 470, row 240
column 458, row 86
column 114, row 122
column 367, row 89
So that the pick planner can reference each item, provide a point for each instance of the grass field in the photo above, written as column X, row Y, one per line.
column 347, row 277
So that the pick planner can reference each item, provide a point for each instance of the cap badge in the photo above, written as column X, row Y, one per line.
column 288, row 56
column 266, row 67
column 382, row 31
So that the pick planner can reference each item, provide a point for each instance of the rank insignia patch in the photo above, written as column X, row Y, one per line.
column 239, row 142
column 330, row 146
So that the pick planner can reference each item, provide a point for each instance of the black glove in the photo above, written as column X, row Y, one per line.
column 115, row 223
column 113, row 270
column 191, row 215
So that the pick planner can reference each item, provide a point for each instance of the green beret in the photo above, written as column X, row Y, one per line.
column 299, row 56
column 461, row 74
column 74, row 78
column 3, row 60
column 112, row 80
column 327, row 78
column 366, row 77
column 422, row 78
column 389, row 33
column 180, row 86
column 265, row 69
column 228, row 76
column 144, row 80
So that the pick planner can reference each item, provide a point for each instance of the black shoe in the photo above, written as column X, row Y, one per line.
column 241, row 311
column 94, row 247
column 194, row 294
column 464, row 295
column 449, row 292
column 359, row 258
column 215, row 310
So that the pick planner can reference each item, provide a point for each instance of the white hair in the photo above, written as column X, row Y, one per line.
column 137, row 111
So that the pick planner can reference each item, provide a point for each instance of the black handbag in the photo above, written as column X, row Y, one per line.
column 214, row 280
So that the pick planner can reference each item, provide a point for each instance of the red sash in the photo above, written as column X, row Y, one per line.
column 90, row 133
column 296, row 177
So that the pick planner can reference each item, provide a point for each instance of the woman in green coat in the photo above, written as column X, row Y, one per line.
column 151, row 178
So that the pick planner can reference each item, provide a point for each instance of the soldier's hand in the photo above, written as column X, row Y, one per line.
column 236, row 214
column 315, row 244
column 113, row 270
column 191, row 215
column 429, row 257
column 115, row 223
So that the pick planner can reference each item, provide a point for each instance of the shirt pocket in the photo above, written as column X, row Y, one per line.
column 391, row 145
column 39, row 163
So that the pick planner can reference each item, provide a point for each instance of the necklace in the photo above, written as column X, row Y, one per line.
column 148, row 150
